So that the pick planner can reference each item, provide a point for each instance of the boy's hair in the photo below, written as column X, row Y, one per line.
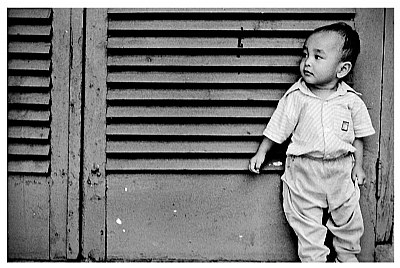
column 351, row 40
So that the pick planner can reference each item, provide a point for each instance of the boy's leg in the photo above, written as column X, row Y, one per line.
column 303, row 208
column 346, row 224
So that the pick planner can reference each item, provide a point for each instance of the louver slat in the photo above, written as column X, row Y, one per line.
column 31, row 65
column 28, row 132
column 29, row 149
column 28, row 167
column 180, row 146
column 205, row 60
column 29, row 13
column 40, row 48
column 195, row 94
column 29, row 98
column 29, row 30
column 29, row 46
column 201, row 42
column 192, row 90
column 191, row 112
column 169, row 130
column 220, row 25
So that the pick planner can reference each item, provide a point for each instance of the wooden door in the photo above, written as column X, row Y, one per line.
column 43, row 96
column 175, row 105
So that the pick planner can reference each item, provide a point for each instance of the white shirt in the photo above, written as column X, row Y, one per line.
column 320, row 128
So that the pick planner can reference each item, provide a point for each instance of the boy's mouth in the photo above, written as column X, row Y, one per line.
column 307, row 73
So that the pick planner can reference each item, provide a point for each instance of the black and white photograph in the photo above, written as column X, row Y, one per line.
column 199, row 134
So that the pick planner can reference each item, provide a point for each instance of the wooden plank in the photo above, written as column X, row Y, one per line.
column 29, row 98
column 93, row 212
column 75, row 136
column 59, row 134
column 29, row 30
column 182, row 147
column 28, row 149
column 28, row 64
column 27, row 218
column 203, row 77
column 40, row 48
column 223, row 25
column 26, row 132
column 195, row 94
column 29, row 167
column 28, row 115
column 29, row 13
column 233, row 10
column 28, row 81
column 171, row 164
column 203, row 42
column 367, row 80
column 385, row 184
column 209, row 130
column 184, row 112
column 197, row 217
column 205, row 60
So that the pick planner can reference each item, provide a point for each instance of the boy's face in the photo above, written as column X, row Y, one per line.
column 321, row 59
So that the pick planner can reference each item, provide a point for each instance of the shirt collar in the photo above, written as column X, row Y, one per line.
column 342, row 89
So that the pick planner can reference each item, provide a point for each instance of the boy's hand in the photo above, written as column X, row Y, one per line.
column 256, row 162
column 359, row 174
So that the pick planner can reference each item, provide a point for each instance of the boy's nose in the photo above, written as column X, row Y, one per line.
column 307, row 61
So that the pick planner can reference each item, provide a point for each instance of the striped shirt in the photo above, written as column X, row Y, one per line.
column 319, row 128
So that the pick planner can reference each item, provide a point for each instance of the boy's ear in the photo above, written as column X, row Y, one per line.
column 343, row 69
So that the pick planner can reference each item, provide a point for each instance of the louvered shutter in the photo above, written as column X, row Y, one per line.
column 188, row 95
column 192, row 91
column 28, row 99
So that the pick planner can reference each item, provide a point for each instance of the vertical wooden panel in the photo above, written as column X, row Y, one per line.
column 197, row 217
column 28, row 218
column 28, row 152
column 59, row 133
column 94, row 160
column 74, row 154
column 367, row 80
column 385, row 192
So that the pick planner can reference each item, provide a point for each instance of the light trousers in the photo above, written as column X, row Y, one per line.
column 309, row 187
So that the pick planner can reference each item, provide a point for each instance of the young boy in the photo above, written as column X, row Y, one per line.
column 327, row 120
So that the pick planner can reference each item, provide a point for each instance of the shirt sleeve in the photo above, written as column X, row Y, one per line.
column 283, row 120
column 361, row 119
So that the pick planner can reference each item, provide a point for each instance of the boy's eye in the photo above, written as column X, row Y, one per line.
column 304, row 54
column 318, row 57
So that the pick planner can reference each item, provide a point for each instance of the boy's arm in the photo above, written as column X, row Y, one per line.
column 257, row 160
column 358, row 171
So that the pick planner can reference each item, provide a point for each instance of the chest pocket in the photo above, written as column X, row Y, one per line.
column 342, row 123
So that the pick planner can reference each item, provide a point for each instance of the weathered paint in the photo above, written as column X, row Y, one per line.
column 59, row 133
column 28, row 99
column 220, row 24
column 27, row 217
column 197, row 217
column 385, row 184
column 94, row 182
column 75, row 135
column 367, row 80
